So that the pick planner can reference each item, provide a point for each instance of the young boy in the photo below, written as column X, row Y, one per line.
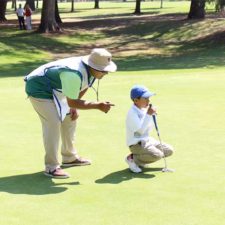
column 139, row 122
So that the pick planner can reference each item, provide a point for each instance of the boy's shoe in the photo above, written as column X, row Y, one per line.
column 57, row 173
column 133, row 166
column 77, row 162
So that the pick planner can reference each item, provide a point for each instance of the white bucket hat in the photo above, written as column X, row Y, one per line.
column 100, row 59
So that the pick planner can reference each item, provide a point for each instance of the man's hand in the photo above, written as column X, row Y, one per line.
column 85, row 105
column 105, row 106
column 73, row 114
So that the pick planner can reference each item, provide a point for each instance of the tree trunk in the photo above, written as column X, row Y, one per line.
column 138, row 7
column 14, row 4
column 161, row 4
column 3, row 4
column 48, row 21
column 96, row 4
column 31, row 4
column 37, row 4
column 220, row 5
column 57, row 16
column 197, row 9
column 72, row 5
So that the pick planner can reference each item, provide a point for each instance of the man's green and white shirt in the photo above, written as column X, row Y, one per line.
column 68, row 75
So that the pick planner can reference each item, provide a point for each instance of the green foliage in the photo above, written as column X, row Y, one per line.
column 220, row 5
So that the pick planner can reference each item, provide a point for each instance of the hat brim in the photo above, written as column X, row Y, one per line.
column 148, row 94
column 109, row 68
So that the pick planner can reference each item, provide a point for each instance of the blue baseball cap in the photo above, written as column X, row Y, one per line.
column 139, row 91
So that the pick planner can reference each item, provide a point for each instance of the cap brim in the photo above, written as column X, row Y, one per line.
column 109, row 68
column 148, row 94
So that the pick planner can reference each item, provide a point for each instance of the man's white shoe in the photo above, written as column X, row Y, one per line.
column 133, row 166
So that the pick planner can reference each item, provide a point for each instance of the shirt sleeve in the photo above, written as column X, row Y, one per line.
column 71, row 84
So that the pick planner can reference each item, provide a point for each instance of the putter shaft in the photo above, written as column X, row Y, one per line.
column 165, row 169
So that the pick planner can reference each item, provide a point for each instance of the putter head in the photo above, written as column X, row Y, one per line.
column 167, row 170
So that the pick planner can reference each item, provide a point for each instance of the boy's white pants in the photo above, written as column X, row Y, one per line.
column 52, row 127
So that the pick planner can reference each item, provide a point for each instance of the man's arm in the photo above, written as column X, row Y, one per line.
column 85, row 105
column 82, row 93
column 71, row 89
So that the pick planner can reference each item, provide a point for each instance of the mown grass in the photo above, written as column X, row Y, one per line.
column 106, row 192
column 182, row 61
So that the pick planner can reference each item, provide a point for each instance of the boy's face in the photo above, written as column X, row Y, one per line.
column 142, row 102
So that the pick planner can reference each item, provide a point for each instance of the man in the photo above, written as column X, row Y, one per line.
column 20, row 14
column 55, row 91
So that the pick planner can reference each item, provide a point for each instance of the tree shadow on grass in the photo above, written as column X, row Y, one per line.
column 155, row 51
column 125, row 175
column 213, row 57
column 32, row 184
column 19, row 69
column 128, row 16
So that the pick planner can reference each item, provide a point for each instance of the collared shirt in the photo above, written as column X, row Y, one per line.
column 138, row 125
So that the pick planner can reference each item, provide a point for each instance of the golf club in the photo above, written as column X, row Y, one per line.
column 165, row 169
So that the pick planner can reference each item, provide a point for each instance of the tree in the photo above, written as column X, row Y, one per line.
column 57, row 16
column 48, row 18
column 220, row 5
column 31, row 4
column 96, row 4
column 161, row 4
column 72, row 5
column 3, row 4
column 37, row 4
column 138, row 7
column 197, row 9
column 14, row 4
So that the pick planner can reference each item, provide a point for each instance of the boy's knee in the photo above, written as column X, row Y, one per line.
column 169, row 151
column 166, row 149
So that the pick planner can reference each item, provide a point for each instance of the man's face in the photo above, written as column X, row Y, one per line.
column 98, row 74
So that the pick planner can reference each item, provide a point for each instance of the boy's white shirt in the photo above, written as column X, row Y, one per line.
column 138, row 125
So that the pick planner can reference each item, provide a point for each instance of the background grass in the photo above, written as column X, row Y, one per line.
column 180, row 61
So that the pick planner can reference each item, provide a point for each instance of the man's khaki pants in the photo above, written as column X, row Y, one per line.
column 51, row 128
column 150, row 151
